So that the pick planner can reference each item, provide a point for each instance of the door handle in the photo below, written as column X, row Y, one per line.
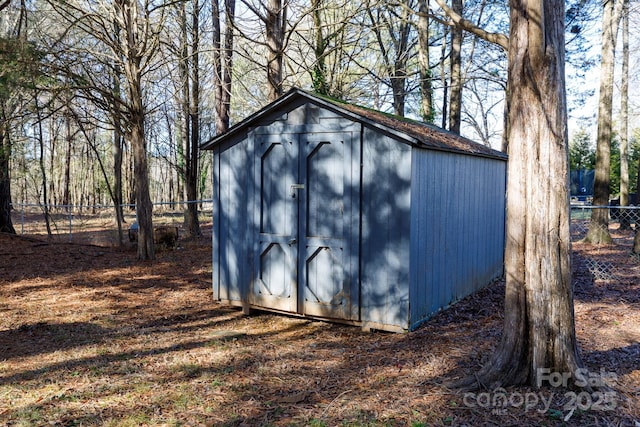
column 293, row 242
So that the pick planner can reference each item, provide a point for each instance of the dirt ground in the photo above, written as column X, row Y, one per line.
column 90, row 336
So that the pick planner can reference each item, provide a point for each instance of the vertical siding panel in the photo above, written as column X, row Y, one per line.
column 215, row 235
column 458, row 212
column 223, row 221
column 386, row 193
column 230, row 222
column 419, row 293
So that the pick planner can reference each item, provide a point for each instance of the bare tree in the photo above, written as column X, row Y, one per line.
column 599, row 225
column 625, row 224
column 189, row 66
column 392, row 30
column 222, row 63
column 455, row 61
column 128, row 31
column 426, row 86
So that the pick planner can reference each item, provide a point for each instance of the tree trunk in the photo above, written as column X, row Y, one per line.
column 6, row 225
column 319, row 72
column 43, row 170
column 134, row 52
column 118, row 146
column 599, row 226
column 144, row 207
column 625, row 224
column 443, row 79
column 193, row 143
column 222, row 63
column 66, row 192
column 539, row 333
column 275, row 21
column 426, row 87
column 455, row 103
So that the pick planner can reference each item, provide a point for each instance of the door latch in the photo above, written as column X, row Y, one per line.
column 295, row 187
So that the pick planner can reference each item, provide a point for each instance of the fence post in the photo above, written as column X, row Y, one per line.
column 70, row 211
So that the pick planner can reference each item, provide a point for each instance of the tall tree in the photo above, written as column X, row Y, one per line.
column 189, row 67
column 455, row 64
column 391, row 25
column 624, row 118
column 275, row 21
column 18, row 71
column 222, row 63
column 599, row 226
column 581, row 154
column 538, row 332
column 6, row 225
column 138, row 45
column 128, row 32
column 426, row 86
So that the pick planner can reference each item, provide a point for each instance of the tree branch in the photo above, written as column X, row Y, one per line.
column 498, row 38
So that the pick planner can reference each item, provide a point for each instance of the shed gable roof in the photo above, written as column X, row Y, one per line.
column 413, row 132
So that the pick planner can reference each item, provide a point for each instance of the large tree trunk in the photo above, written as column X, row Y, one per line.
column 539, row 332
column 222, row 63
column 455, row 103
column 144, row 207
column 426, row 87
column 193, row 143
column 6, row 225
column 118, row 145
column 134, row 51
column 275, row 22
column 599, row 226
column 625, row 224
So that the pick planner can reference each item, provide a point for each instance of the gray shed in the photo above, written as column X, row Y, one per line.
column 329, row 210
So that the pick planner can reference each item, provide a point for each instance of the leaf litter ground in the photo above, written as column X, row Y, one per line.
column 89, row 336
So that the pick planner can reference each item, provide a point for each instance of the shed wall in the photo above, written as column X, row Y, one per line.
column 457, row 228
column 231, row 247
column 385, row 230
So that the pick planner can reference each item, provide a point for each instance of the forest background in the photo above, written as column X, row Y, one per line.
column 98, row 96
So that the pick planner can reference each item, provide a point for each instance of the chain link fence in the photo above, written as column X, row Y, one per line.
column 622, row 223
column 96, row 224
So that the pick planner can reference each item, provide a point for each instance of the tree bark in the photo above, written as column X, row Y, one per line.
column 193, row 142
column 625, row 224
column 599, row 226
column 275, row 22
column 426, row 87
column 134, row 48
column 6, row 225
column 118, row 144
column 222, row 63
column 455, row 60
column 539, row 333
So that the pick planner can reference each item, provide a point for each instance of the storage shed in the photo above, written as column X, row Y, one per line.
column 334, row 211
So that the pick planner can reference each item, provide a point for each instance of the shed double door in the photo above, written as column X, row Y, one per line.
column 302, row 258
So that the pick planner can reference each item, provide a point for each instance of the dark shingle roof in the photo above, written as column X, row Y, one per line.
column 417, row 133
